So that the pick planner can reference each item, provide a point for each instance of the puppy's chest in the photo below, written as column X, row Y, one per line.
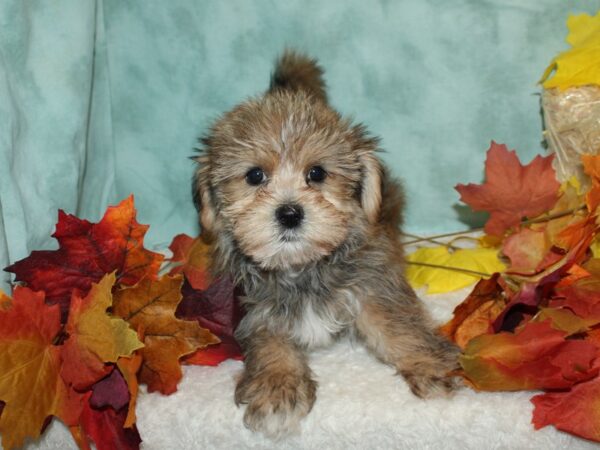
column 320, row 320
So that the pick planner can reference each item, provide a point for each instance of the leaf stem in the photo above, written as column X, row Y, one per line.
column 430, row 239
column 454, row 269
column 473, row 230
column 438, row 236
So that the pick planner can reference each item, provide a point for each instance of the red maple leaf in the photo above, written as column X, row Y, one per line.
column 511, row 191
column 105, row 427
column 575, row 411
column 537, row 356
column 87, row 252
column 218, row 310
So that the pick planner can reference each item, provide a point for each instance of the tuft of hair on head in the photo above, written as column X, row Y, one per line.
column 298, row 72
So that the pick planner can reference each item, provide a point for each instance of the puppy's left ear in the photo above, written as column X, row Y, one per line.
column 202, row 194
column 370, row 193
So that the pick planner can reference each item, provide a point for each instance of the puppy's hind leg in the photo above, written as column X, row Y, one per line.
column 400, row 333
column 276, row 385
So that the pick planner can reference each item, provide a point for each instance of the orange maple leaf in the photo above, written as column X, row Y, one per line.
column 30, row 363
column 151, row 306
column 591, row 166
column 192, row 257
column 87, row 252
column 511, row 191
column 537, row 356
column 476, row 314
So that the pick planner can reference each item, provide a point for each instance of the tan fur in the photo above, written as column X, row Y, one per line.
column 340, row 271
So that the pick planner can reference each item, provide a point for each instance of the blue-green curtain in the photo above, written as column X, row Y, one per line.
column 100, row 99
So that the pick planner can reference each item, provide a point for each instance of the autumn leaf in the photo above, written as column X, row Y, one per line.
column 129, row 368
column 564, row 319
column 464, row 267
column 526, row 250
column 95, row 337
column 151, row 305
column 591, row 167
column 192, row 258
column 87, row 252
column 5, row 301
column 579, row 65
column 476, row 314
column 581, row 297
column 575, row 411
column 110, row 391
column 537, row 356
column 30, row 383
column 218, row 310
column 511, row 191
column 105, row 427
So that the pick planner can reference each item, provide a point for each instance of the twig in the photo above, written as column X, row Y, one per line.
column 454, row 269
column 473, row 230
column 553, row 216
column 438, row 236
column 432, row 240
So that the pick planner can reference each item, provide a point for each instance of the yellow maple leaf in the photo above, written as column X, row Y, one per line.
column 442, row 271
column 95, row 337
column 580, row 65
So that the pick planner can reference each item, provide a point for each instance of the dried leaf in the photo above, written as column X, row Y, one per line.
column 95, row 337
column 192, row 257
column 87, row 252
column 575, row 411
column 526, row 250
column 476, row 314
column 535, row 357
column 579, row 65
column 438, row 279
column 110, row 391
column 151, row 305
column 105, row 427
column 511, row 191
column 129, row 368
column 30, row 383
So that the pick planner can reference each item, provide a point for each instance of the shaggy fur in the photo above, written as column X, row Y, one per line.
column 340, row 270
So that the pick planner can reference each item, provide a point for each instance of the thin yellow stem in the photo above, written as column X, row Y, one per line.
column 473, row 230
column 433, row 241
column 453, row 269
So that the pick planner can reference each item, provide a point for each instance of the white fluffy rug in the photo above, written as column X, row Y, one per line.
column 360, row 404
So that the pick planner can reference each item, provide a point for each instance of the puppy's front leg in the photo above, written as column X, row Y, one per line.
column 398, row 330
column 276, row 385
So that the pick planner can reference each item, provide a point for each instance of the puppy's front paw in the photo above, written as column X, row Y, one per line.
column 276, row 402
column 429, row 374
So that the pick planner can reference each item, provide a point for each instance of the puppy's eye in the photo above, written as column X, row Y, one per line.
column 255, row 176
column 316, row 174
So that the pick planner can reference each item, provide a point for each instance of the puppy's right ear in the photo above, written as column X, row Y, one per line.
column 297, row 72
column 201, row 192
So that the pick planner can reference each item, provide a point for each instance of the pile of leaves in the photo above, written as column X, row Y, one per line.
column 533, row 321
column 535, row 324
column 92, row 320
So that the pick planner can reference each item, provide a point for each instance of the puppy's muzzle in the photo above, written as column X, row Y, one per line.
column 290, row 215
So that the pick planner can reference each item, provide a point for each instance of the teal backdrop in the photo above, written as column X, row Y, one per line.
column 100, row 99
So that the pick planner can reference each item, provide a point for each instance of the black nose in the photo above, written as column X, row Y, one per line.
column 289, row 216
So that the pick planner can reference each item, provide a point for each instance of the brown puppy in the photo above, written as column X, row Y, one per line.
column 304, row 217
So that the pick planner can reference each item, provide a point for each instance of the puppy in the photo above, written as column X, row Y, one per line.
column 303, row 215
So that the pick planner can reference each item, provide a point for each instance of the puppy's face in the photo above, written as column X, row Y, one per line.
column 288, row 179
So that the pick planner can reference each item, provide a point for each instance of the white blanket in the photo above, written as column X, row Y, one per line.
column 361, row 404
